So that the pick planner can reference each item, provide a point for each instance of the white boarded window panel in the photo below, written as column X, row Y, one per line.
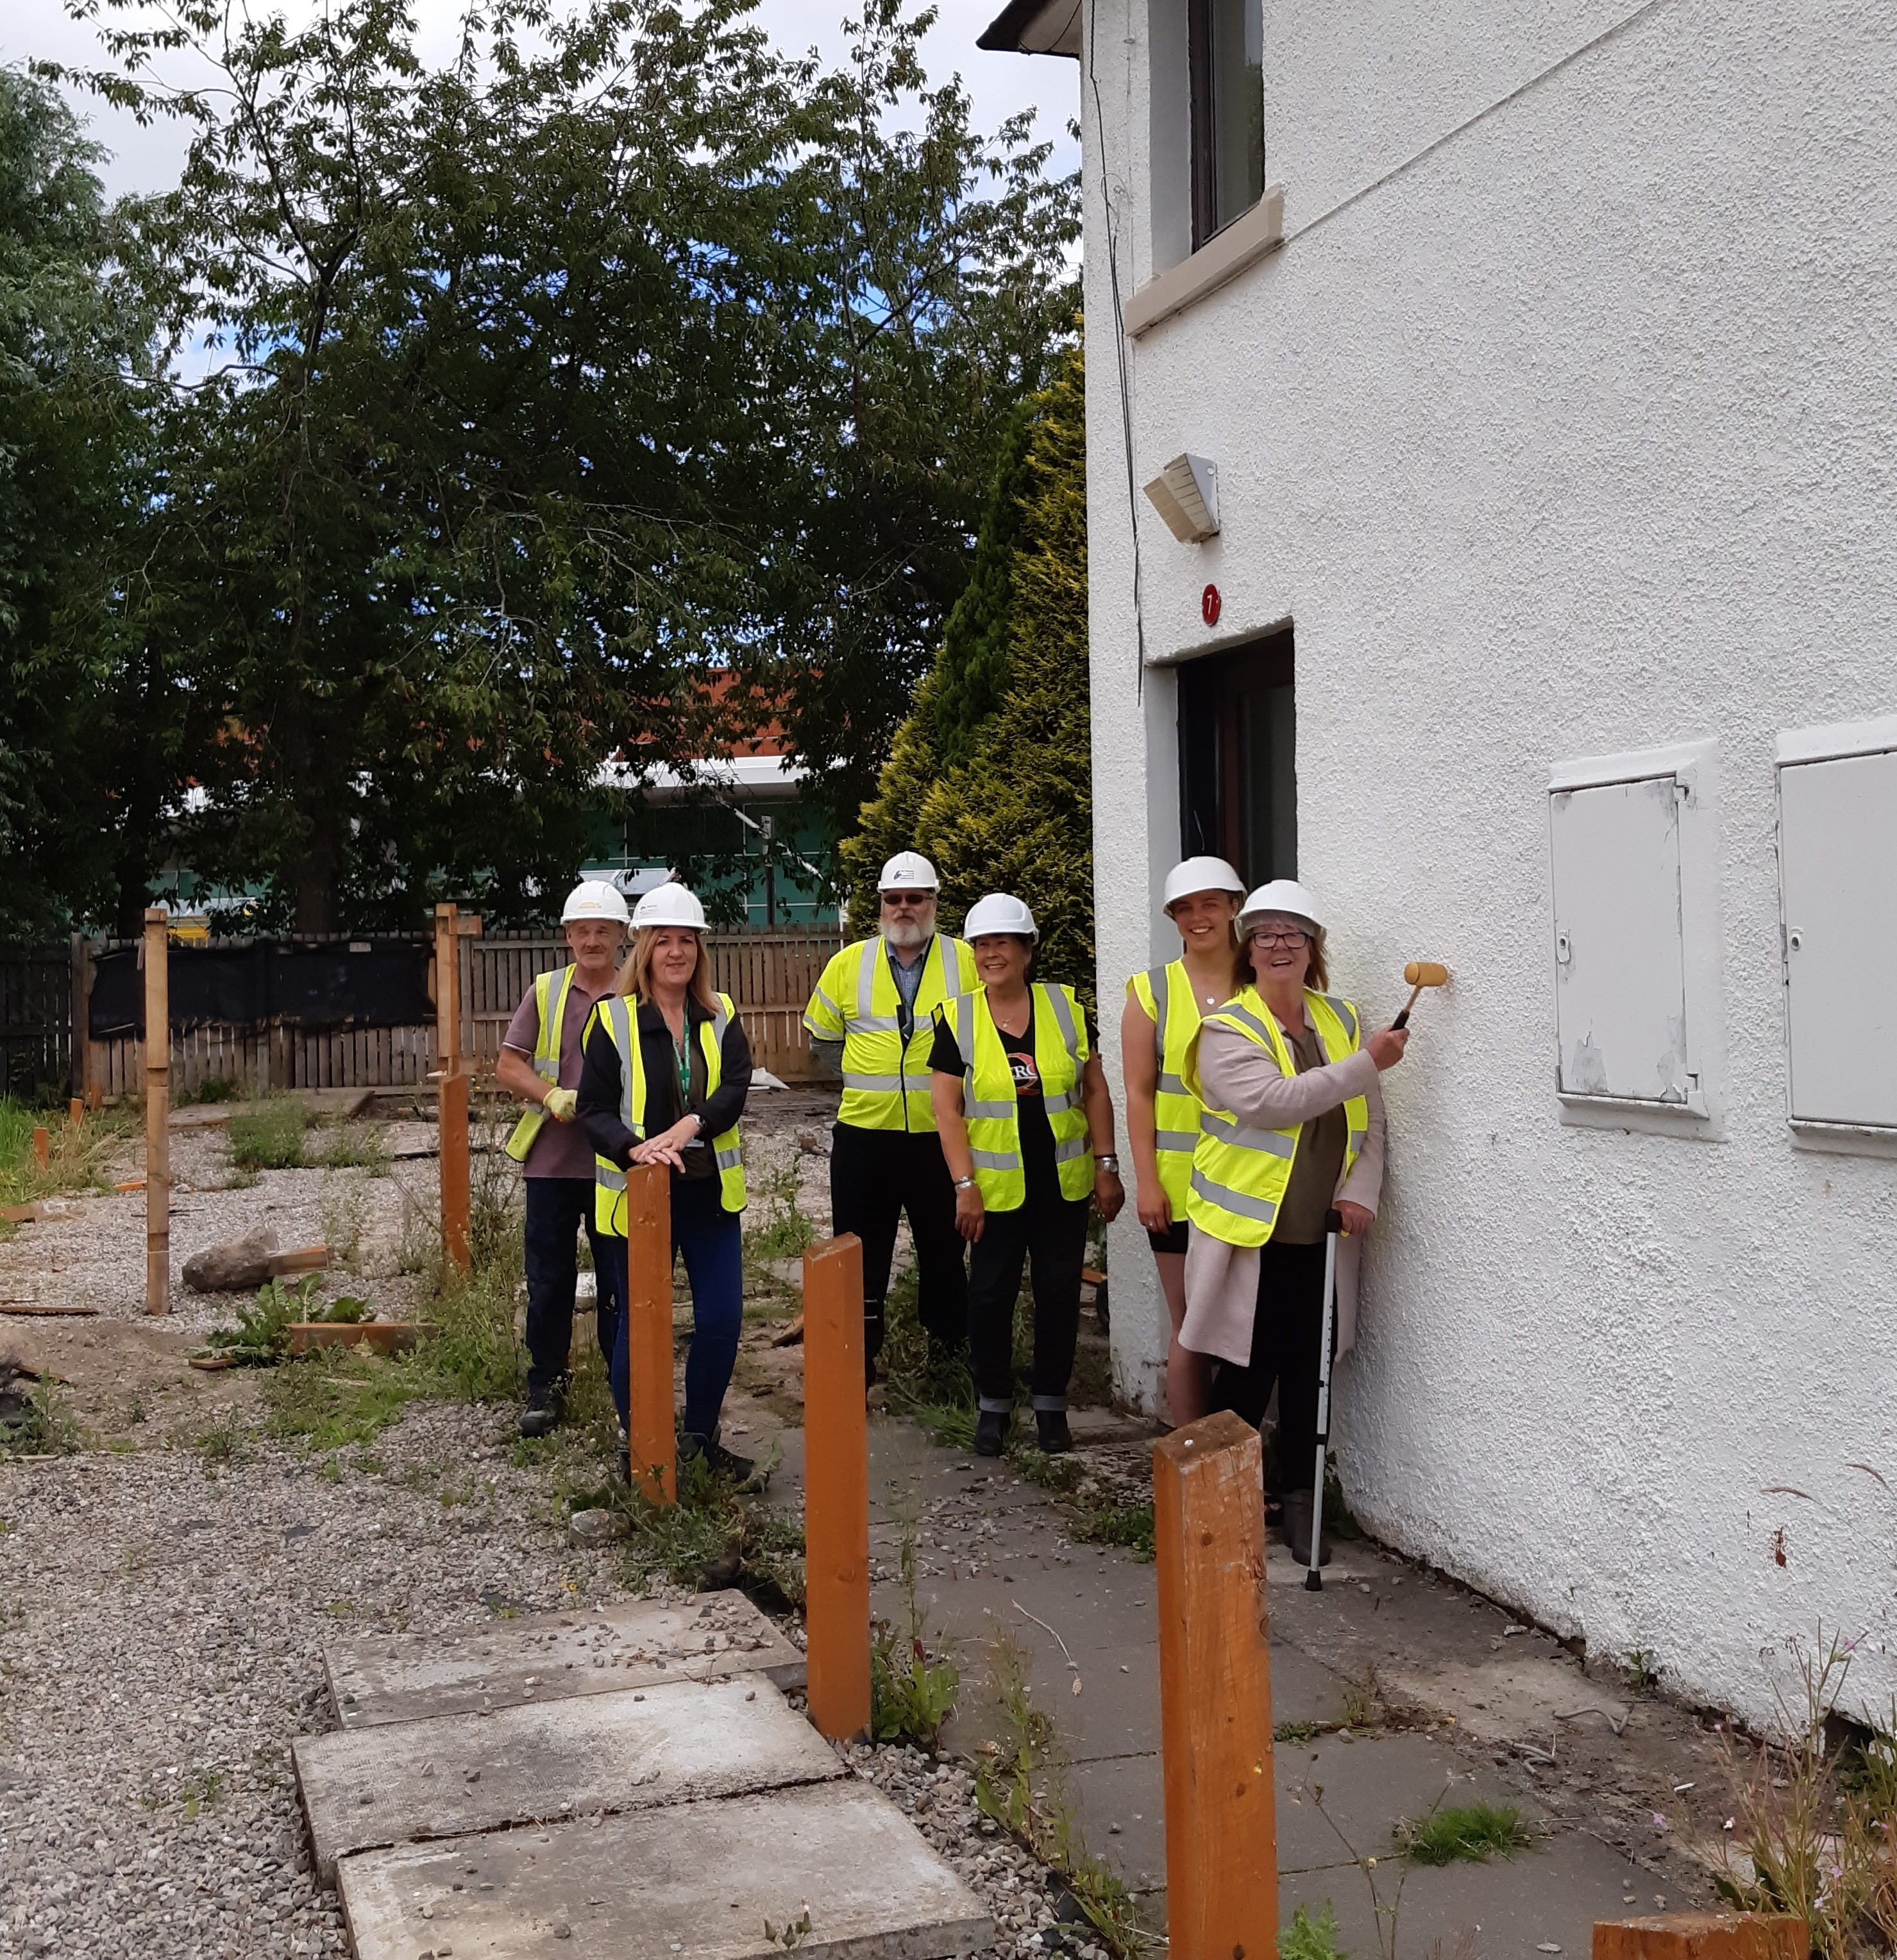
column 1620, row 954
column 1837, row 860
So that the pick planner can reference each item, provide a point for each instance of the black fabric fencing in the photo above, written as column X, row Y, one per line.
column 363, row 983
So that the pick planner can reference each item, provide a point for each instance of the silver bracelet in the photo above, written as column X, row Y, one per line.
column 965, row 1184
column 1109, row 1162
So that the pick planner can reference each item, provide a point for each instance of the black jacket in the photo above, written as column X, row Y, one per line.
column 600, row 1086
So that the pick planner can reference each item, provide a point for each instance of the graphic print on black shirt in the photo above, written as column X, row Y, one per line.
column 1030, row 1102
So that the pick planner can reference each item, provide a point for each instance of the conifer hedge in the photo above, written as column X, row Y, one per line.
column 990, row 776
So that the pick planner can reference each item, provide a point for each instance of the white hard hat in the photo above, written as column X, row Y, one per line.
column 669, row 904
column 1282, row 895
column 1201, row 874
column 594, row 899
column 908, row 871
column 999, row 912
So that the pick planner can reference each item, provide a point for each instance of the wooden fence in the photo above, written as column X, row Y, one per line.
column 769, row 972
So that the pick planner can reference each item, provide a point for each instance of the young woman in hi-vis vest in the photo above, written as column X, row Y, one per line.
column 1026, row 1123
column 1163, row 1008
column 1290, row 1128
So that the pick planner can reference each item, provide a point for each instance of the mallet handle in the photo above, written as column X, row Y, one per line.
column 1403, row 1019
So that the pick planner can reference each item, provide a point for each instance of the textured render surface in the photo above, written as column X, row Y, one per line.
column 410, row 1675
column 416, row 1780
column 699, row 1881
column 1575, row 436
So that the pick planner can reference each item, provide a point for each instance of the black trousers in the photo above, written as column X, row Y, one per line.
column 1049, row 1234
column 556, row 1206
column 1288, row 1333
column 875, row 1176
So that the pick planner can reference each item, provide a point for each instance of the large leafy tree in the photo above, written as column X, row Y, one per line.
column 538, row 382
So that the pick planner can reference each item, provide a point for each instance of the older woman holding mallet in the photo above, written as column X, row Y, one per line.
column 1292, row 1130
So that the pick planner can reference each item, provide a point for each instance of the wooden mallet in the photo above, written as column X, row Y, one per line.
column 1419, row 974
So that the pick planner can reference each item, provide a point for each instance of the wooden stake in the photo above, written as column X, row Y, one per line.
column 75, row 1113
column 41, row 1147
column 836, row 1490
column 158, row 1112
column 653, row 1450
column 452, row 1102
column 1703, row 1935
column 1215, row 1691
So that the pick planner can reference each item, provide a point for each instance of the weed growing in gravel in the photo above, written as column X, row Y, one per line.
column 75, row 1160
column 1386, row 1910
column 261, row 1338
column 716, row 1535
column 910, row 1695
column 201, row 1789
column 357, row 1146
column 1472, row 1833
column 35, row 1421
column 334, row 1397
column 269, row 1135
column 1022, row 1785
column 1363, row 1699
column 1640, row 1674
column 1106, row 1522
column 474, row 1350
column 1308, row 1938
column 221, row 1444
column 781, row 1231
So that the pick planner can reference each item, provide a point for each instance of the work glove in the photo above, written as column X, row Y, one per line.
column 562, row 1105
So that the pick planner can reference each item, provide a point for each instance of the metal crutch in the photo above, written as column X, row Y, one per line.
column 1333, row 1225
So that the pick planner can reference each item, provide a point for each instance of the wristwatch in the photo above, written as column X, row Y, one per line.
column 1109, row 1162
column 965, row 1184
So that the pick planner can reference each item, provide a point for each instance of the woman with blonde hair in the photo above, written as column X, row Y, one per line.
column 1163, row 1008
column 667, row 1070
column 1291, row 1129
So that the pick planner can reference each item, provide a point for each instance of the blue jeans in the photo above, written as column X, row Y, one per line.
column 708, row 1238
column 556, row 1206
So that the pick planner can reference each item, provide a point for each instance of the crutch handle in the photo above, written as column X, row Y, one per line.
column 1333, row 1220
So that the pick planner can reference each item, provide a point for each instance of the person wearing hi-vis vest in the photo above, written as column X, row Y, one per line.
column 539, row 1063
column 1292, row 1127
column 872, row 1020
column 1163, row 1006
column 1027, row 1121
column 667, row 1072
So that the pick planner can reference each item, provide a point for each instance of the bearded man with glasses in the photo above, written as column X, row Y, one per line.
column 872, row 1021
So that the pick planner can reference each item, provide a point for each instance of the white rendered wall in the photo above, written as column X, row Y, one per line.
column 1576, row 435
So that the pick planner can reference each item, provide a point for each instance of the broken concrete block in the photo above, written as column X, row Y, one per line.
column 640, row 1645
column 698, row 1882
column 410, row 1781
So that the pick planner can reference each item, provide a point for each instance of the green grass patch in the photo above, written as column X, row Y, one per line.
column 269, row 1136
column 779, row 1229
column 1308, row 1938
column 1466, row 1833
column 76, row 1157
column 911, row 1692
column 356, row 1147
column 1128, row 1524
column 42, row 1423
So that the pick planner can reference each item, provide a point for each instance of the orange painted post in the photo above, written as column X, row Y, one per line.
column 653, row 1447
column 75, row 1113
column 453, row 1101
column 41, row 1147
column 1215, row 1692
column 836, row 1490
column 157, row 1110
column 1703, row 1935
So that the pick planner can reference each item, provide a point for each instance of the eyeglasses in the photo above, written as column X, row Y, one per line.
column 909, row 898
column 1293, row 938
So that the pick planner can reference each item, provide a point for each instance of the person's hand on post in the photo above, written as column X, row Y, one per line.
column 1357, row 1220
column 1109, row 1194
column 668, row 1147
column 1153, row 1208
column 562, row 1105
column 970, row 1212
column 1386, row 1047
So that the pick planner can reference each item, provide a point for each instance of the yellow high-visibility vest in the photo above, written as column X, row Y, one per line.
column 885, row 1080
column 549, row 1001
column 992, row 1110
column 609, row 1180
column 1240, row 1174
column 1166, row 999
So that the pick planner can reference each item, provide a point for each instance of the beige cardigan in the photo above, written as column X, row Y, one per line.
column 1221, row 1280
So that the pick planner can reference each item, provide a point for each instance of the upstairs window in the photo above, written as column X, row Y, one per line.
column 1225, row 51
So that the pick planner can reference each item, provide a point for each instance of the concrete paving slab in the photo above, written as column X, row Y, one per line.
column 698, row 1882
column 1509, row 1909
column 408, row 1677
column 410, row 1781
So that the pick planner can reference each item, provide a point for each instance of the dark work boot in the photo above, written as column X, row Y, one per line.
column 1056, row 1439
column 545, row 1406
column 1298, row 1508
column 990, row 1432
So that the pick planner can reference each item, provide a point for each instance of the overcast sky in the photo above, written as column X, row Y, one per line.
column 148, row 159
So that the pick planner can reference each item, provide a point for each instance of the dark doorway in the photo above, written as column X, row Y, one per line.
column 1238, row 759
